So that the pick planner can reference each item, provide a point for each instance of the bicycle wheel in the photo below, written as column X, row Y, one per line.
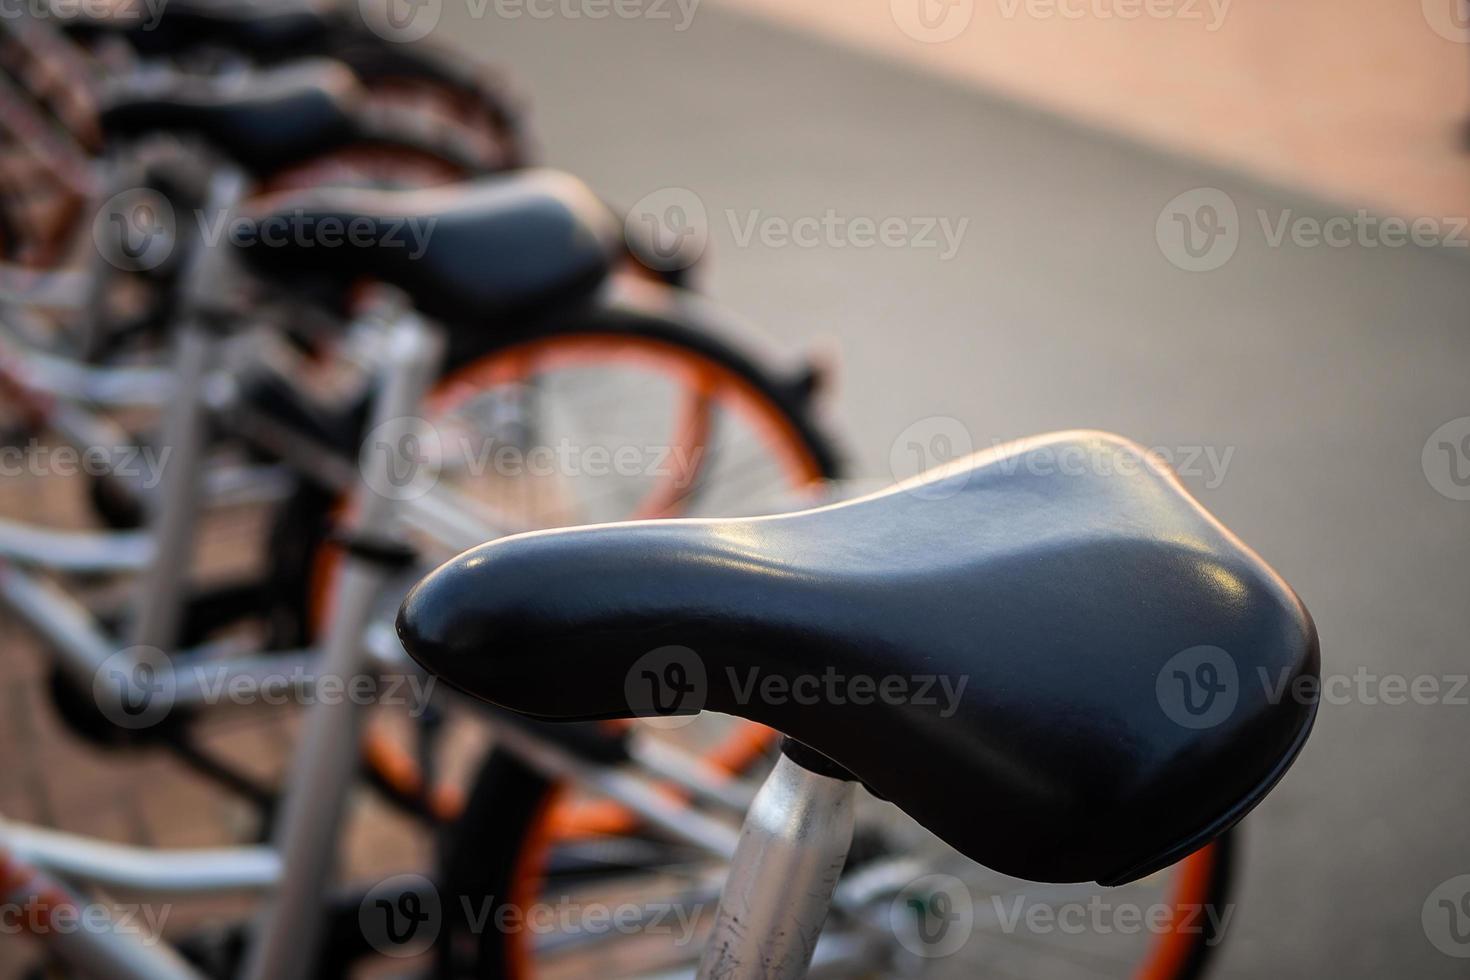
column 451, row 102
column 506, row 878
column 529, row 432
column 563, row 858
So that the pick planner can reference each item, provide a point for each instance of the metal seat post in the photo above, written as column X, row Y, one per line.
column 792, row 850
column 175, row 509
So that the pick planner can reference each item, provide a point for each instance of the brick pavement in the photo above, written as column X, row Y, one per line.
column 145, row 796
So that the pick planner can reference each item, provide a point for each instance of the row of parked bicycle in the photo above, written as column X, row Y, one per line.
column 263, row 263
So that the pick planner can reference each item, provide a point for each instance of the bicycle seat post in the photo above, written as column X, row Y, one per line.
column 792, row 850
column 175, row 508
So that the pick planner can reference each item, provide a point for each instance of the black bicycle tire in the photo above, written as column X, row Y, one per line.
column 373, row 59
column 480, row 863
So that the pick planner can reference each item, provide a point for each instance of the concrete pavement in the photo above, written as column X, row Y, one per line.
column 1314, row 373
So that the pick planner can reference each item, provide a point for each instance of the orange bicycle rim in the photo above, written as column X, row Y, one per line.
column 704, row 382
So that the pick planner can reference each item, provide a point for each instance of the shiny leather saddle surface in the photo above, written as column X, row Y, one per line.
column 1049, row 654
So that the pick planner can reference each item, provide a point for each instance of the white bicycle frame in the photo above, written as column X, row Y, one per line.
column 293, row 871
column 784, row 864
column 325, row 762
column 785, row 861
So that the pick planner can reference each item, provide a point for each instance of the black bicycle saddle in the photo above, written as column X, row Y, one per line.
column 1050, row 654
column 265, row 120
column 472, row 254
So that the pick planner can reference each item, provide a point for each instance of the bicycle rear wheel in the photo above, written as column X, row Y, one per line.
column 527, row 847
column 461, row 107
column 613, row 414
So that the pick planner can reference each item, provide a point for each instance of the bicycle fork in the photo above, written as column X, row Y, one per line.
column 791, row 852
